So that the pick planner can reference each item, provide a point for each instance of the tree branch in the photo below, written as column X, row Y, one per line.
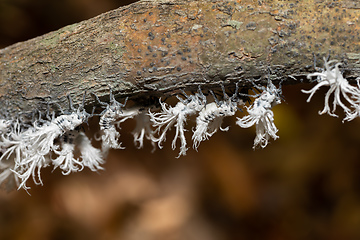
column 154, row 48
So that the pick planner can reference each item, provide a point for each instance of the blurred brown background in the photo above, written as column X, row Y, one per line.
column 305, row 185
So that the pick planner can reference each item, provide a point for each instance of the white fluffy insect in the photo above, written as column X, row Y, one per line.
column 211, row 116
column 340, row 87
column 261, row 115
column 89, row 156
column 142, row 129
column 108, row 119
column 43, row 136
column 30, row 149
column 176, row 116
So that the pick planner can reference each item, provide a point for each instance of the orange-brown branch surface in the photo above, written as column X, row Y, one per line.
column 154, row 48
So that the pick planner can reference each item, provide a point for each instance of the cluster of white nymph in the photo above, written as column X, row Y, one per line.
column 60, row 142
column 209, row 117
column 261, row 114
column 332, row 77
column 25, row 151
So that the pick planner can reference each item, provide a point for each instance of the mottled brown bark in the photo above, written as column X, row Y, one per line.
column 154, row 48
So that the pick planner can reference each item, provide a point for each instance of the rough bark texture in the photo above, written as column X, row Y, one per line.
column 154, row 48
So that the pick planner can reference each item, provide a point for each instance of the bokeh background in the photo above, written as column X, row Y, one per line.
column 305, row 185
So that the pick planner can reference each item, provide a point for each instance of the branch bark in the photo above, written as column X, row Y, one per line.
column 154, row 48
